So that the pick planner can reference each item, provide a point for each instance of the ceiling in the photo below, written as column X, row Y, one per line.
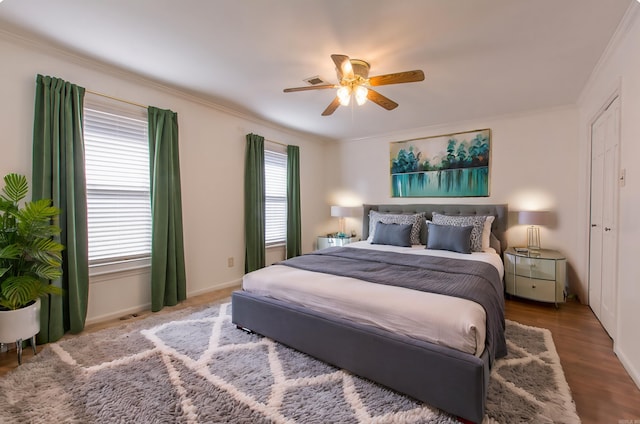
column 481, row 58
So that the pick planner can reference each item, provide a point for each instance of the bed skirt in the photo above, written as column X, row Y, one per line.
column 447, row 379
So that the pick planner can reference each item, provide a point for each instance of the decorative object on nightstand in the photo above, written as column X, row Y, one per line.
column 341, row 212
column 534, row 219
column 331, row 240
column 537, row 275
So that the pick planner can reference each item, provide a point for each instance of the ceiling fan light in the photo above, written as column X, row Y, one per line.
column 344, row 95
column 361, row 95
column 347, row 68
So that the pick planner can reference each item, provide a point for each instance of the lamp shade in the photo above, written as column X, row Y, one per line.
column 534, row 217
column 341, row 211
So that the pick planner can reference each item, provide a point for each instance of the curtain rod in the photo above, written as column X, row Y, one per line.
column 275, row 142
column 116, row 99
column 145, row 107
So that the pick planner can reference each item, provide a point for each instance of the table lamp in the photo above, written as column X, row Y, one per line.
column 341, row 212
column 534, row 219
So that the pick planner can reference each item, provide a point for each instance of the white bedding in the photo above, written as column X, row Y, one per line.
column 448, row 321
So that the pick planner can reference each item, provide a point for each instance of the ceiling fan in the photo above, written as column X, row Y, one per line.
column 353, row 79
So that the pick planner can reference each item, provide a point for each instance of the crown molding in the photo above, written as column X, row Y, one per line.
column 629, row 18
column 18, row 36
column 481, row 122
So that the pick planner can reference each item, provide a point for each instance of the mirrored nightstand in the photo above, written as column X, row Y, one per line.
column 324, row 241
column 537, row 275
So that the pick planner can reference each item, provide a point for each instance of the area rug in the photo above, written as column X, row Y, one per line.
column 196, row 367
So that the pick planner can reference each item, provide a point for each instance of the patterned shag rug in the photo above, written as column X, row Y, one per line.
column 196, row 367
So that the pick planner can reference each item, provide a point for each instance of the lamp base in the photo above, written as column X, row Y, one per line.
column 341, row 226
column 533, row 238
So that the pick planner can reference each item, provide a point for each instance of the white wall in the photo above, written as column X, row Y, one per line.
column 533, row 166
column 212, row 144
column 619, row 71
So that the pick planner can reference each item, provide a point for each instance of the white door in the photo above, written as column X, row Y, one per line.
column 603, row 283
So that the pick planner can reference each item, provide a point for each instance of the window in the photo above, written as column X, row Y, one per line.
column 117, row 173
column 275, row 176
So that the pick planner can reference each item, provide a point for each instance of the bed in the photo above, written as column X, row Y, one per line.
column 452, row 375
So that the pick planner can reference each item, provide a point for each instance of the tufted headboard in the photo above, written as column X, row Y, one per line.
column 499, row 227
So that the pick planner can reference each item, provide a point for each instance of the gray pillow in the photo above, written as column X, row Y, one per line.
column 416, row 220
column 477, row 221
column 450, row 237
column 393, row 234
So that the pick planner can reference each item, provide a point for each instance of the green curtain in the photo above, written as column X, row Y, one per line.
column 254, row 256
column 168, row 278
column 294, row 237
column 58, row 174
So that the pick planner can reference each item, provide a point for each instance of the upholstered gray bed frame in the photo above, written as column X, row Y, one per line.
column 453, row 381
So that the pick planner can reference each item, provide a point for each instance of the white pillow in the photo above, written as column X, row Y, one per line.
column 486, row 233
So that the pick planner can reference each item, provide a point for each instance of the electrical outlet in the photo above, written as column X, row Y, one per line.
column 230, row 262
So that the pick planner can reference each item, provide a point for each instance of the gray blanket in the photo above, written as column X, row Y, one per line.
column 472, row 280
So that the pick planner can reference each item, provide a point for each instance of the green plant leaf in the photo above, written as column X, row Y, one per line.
column 47, row 272
column 39, row 210
column 46, row 251
column 11, row 251
column 16, row 187
column 20, row 290
column 6, row 204
column 48, row 245
column 52, row 289
column 30, row 253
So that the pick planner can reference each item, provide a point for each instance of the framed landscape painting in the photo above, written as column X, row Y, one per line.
column 450, row 165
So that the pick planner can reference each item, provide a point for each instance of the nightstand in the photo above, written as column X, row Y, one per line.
column 539, row 275
column 324, row 241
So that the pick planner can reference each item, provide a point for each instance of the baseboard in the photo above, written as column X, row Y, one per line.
column 220, row 286
column 120, row 313
column 628, row 366
column 147, row 306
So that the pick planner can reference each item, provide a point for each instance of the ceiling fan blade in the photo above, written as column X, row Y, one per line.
column 332, row 107
column 381, row 100
column 397, row 78
column 343, row 65
column 311, row 87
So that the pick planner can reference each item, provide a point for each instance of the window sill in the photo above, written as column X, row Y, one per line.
column 276, row 245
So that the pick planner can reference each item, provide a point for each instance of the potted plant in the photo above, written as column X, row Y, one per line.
column 29, row 258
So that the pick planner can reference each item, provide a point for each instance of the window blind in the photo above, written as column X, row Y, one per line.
column 117, row 173
column 275, row 175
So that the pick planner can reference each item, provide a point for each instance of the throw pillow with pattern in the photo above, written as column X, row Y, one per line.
column 477, row 221
column 415, row 220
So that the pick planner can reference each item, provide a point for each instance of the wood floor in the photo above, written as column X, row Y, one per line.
column 601, row 388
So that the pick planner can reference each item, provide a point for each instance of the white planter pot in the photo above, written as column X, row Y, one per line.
column 20, row 324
